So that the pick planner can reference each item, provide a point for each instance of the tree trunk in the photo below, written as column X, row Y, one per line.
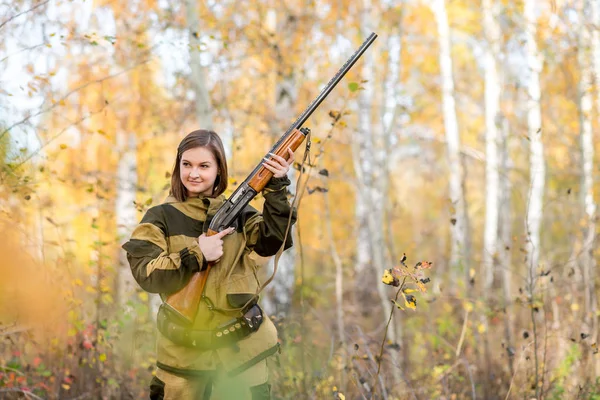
column 372, row 189
column 537, row 168
column 459, row 253
column 588, row 205
column 198, row 75
column 492, row 113
column 534, row 128
column 126, row 216
column 339, row 289
column 278, row 299
column 504, row 248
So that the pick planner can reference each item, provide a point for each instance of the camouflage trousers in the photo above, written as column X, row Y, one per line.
column 249, row 385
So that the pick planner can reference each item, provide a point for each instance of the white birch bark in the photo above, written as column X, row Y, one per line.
column 389, row 119
column 459, row 251
column 505, row 242
column 278, row 299
column 492, row 110
column 339, row 275
column 592, row 207
column 584, row 57
column 198, row 75
column 371, row 174
column 534, row 128
column 125, row 213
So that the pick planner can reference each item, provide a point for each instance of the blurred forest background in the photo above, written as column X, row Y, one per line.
column 466, row 136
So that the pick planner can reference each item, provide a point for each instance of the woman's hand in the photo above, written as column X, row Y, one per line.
column 278, row 165
column 212, row 246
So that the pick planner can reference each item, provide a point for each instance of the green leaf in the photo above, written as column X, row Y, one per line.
column 353, row 86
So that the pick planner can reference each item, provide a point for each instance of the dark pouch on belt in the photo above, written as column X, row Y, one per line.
column 253, row 317
column 239, row 300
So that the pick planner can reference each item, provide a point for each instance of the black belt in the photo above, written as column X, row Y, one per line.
column 225, row 335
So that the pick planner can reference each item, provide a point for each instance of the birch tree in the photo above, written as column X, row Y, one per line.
column 492, row 110
column 459, row 250
column 278, row 299
column 202, row 104
column 536, row 150
column 587, row 164
column 371, row 190
column 591, row 209
column 125, row 212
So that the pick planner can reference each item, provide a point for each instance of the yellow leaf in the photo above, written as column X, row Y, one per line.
column 65, row 386
column 341, row 396
column 78, row 282
column 72, row 332
column 410, row 301
column 102, row 357
column 90, row 289
column 387, row 278
column 398, row 305
column 410, row 290
column 143, row 296
column 575, row 307
column 316, row 140
column 481, row 328
column 471, row 273
column 468, row 306
column 63, row 146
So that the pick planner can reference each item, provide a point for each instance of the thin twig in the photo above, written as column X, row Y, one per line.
column 18, row 329
column 462, row 334
column 384, row 337
column 57, row 103
column 23, row 12
column 12, row 370
column 25, row 393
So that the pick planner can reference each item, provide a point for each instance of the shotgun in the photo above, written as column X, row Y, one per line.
column 185, row 302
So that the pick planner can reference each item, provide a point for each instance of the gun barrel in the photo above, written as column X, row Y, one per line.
column 333, row 82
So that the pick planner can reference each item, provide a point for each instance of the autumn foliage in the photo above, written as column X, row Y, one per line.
column 95, row 97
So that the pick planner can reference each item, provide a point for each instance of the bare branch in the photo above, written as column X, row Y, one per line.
column 24, row 49
column 24, row 12
column 56, row 103
column 25, row 393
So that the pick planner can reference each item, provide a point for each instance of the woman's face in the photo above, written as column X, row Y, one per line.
column 198, row 171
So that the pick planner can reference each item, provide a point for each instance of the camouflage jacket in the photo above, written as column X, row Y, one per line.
column 163, row 253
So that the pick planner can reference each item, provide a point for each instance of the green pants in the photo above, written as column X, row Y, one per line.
column 249, row 385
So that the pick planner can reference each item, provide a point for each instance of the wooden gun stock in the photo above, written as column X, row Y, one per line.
column 185, row 302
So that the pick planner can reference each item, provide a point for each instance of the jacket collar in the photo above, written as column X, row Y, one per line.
column 210, row 205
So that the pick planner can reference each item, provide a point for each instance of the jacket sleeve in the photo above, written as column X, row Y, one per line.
column 266, row 231
column 153, row 266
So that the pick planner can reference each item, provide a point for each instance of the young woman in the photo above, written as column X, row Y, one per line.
column 223, row 355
